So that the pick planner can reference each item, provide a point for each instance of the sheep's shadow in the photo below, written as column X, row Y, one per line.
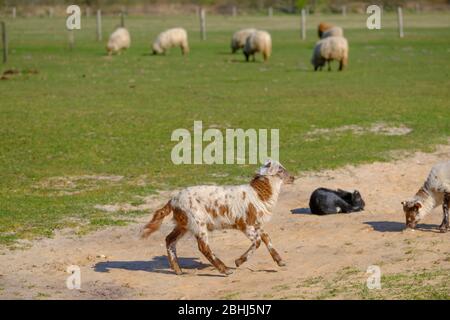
column 394, row 226
column 158, row 264
column 301, row 211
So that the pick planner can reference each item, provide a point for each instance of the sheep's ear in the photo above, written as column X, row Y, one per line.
column 403, row 203
column 270, row 168
column 417, row 205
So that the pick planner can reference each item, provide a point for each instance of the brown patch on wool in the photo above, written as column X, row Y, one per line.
column 180, row 217
column 223, row 210
column 211, row 211
column 262, row 187
column 251, row 215
column 240, row 224
column 157, row 219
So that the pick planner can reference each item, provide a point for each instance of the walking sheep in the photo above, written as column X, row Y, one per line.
column 434, row 192
column 239, row 38
column 171, row 38
column 119, row 40
column 246, row 208
column 328, row 49
column 323, row 26
column 333, row 32
column 258, row 41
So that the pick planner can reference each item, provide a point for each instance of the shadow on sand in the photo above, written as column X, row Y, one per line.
column 394, row 226
column 158, row 264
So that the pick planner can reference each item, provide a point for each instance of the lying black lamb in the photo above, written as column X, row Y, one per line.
column 327, row 201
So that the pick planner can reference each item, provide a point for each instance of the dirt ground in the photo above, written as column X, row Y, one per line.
column 116, row 264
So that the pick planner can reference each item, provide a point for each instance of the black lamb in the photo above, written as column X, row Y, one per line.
column 327, row 201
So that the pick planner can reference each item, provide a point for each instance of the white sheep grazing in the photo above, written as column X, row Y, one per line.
column 239, row 38
column 434, row 192
column 258, row 41
column 171, row 38
column 119, row 40
column 328, row 49
column 333, row 32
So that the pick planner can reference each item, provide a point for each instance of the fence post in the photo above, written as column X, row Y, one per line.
column 400, row 22
column 270, row 12
column 99, row 25
column 71, row 39
column 88, row 12
column 50, row 12
column 122, row 18
column 4, row 42
column 303, row 24
column 234, row 11
column 14, row 12
column 344, row 11
column 203, row 24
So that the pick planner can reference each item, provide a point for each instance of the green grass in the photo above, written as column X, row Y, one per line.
column 350, row 283
column 84, row 114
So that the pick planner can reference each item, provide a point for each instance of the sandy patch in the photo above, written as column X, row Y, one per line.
column 116, row 264
column 380, row 128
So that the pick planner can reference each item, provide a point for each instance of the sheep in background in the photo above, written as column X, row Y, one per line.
column 328, row 49
column 333, row 32
column 171, row 38
column 239, row 38
column 258, row 41
column 434, row 192
column 323, row 26
column 119, row 40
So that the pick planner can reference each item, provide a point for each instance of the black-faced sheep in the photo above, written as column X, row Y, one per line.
column 171, row 38
column 258, row 41
column 328, row 49
column 239, row 38
column 326, row 201
column 434, row 192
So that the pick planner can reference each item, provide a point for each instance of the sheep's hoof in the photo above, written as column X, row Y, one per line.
column 281, row 263
column 238, row 262
column 443, row 229
column 227, row 271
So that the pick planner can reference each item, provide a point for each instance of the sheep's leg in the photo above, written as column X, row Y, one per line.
column 275, row 256
column 171, row 242
column 255, row 238
column 204, row 248
column 445, row 206
column 341, row 65
column 329, row 65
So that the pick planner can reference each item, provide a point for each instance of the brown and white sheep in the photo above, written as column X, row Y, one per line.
column 329, row 49
column 245, row 207
column 434, row 192
column 258, row 41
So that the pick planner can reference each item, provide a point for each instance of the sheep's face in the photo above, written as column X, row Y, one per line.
column 156, row 49
column 411, row 209
column 357, row 200
column 274, row 168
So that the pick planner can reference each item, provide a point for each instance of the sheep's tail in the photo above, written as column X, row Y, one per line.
column 157, row 220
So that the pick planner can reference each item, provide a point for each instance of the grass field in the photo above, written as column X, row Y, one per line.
column 83, row 114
